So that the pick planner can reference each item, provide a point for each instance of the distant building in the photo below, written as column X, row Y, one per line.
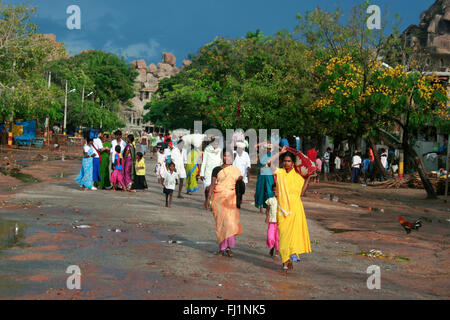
column 146, row 85
column 432, row 35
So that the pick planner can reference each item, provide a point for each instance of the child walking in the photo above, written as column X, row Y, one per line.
column 319, row 170
column 271, row 220
column 161, row 165
column 169, row 181
column 140, row 182
column 117, row 175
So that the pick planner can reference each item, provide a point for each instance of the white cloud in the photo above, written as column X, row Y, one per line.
column 148, row 51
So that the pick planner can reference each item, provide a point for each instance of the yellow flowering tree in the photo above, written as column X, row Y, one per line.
column 358, row 94
column 359, row 102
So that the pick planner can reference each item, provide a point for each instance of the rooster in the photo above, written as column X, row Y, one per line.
column 408, row 226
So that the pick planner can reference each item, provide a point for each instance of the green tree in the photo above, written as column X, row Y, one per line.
column 23, row 53
column 267, row 75
column 107, row 76
column 360, row 96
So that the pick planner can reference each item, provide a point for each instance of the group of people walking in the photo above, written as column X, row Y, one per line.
column 112, row 165
column 116, row 165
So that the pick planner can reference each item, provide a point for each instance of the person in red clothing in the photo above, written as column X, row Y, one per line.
column 371, row 165
column 312, row 154
column 168, row 140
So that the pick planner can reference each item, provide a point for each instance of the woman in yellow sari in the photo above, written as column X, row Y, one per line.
column 224, row 206
column 293, row 228
column 192, row 170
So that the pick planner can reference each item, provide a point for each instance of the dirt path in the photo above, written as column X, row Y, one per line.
column 170, row 253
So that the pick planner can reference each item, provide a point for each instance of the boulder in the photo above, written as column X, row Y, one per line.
column 432, row 28
column 141, row 64
column 152, row 80
column 137, row 105
column 186, row 63
column 164, row 70
column 447, row 13
column 142, row 77
column 442, row 44
column 152, row 68
column 169, row 58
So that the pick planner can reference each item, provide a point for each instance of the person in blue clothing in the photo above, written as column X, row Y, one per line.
column 284, row 143
column 297, row 142
column 365, row 168
column 265, row 179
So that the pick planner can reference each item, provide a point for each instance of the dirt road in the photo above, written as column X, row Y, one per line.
column 170, row 253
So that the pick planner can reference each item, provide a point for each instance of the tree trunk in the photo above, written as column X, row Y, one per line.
column 378, row 163
column 418, row 165
column 412, row 157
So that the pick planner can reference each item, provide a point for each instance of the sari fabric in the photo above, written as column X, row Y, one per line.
column 224, row 208
column 192, row 170
column 85, row 178
column 129, row 166
column 264, row 183
column 104, row 167
column 294, row 236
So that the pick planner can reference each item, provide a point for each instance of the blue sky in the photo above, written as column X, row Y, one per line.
column 143, row 29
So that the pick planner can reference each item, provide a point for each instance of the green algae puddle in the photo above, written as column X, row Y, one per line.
column 25, row 178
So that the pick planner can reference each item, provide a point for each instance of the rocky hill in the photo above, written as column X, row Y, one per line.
column 433, row 33
column 146, row 85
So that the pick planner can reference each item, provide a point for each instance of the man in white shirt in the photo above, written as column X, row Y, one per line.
column 338, row 167
column 117, row 142
column 179, row 158
column 356, row 167
column 242, row 160
column 211, row 159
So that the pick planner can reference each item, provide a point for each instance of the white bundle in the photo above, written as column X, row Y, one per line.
column 194, row 139
column 242, row 144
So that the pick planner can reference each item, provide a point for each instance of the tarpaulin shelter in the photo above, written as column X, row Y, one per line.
column 90, row 133
column 28, row 132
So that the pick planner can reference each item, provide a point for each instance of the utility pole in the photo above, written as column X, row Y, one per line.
column 47, row 120
column 65, row 110
column 82, row 97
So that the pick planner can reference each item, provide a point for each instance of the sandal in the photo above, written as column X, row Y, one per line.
column 229, row 253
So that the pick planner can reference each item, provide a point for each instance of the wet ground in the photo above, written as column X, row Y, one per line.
column 128, row 246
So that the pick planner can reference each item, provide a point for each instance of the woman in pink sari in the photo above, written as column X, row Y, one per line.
column 129, row 170
column 224, row 205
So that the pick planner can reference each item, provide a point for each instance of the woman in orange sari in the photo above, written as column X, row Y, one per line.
column 292, row 225
column 224, row 206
